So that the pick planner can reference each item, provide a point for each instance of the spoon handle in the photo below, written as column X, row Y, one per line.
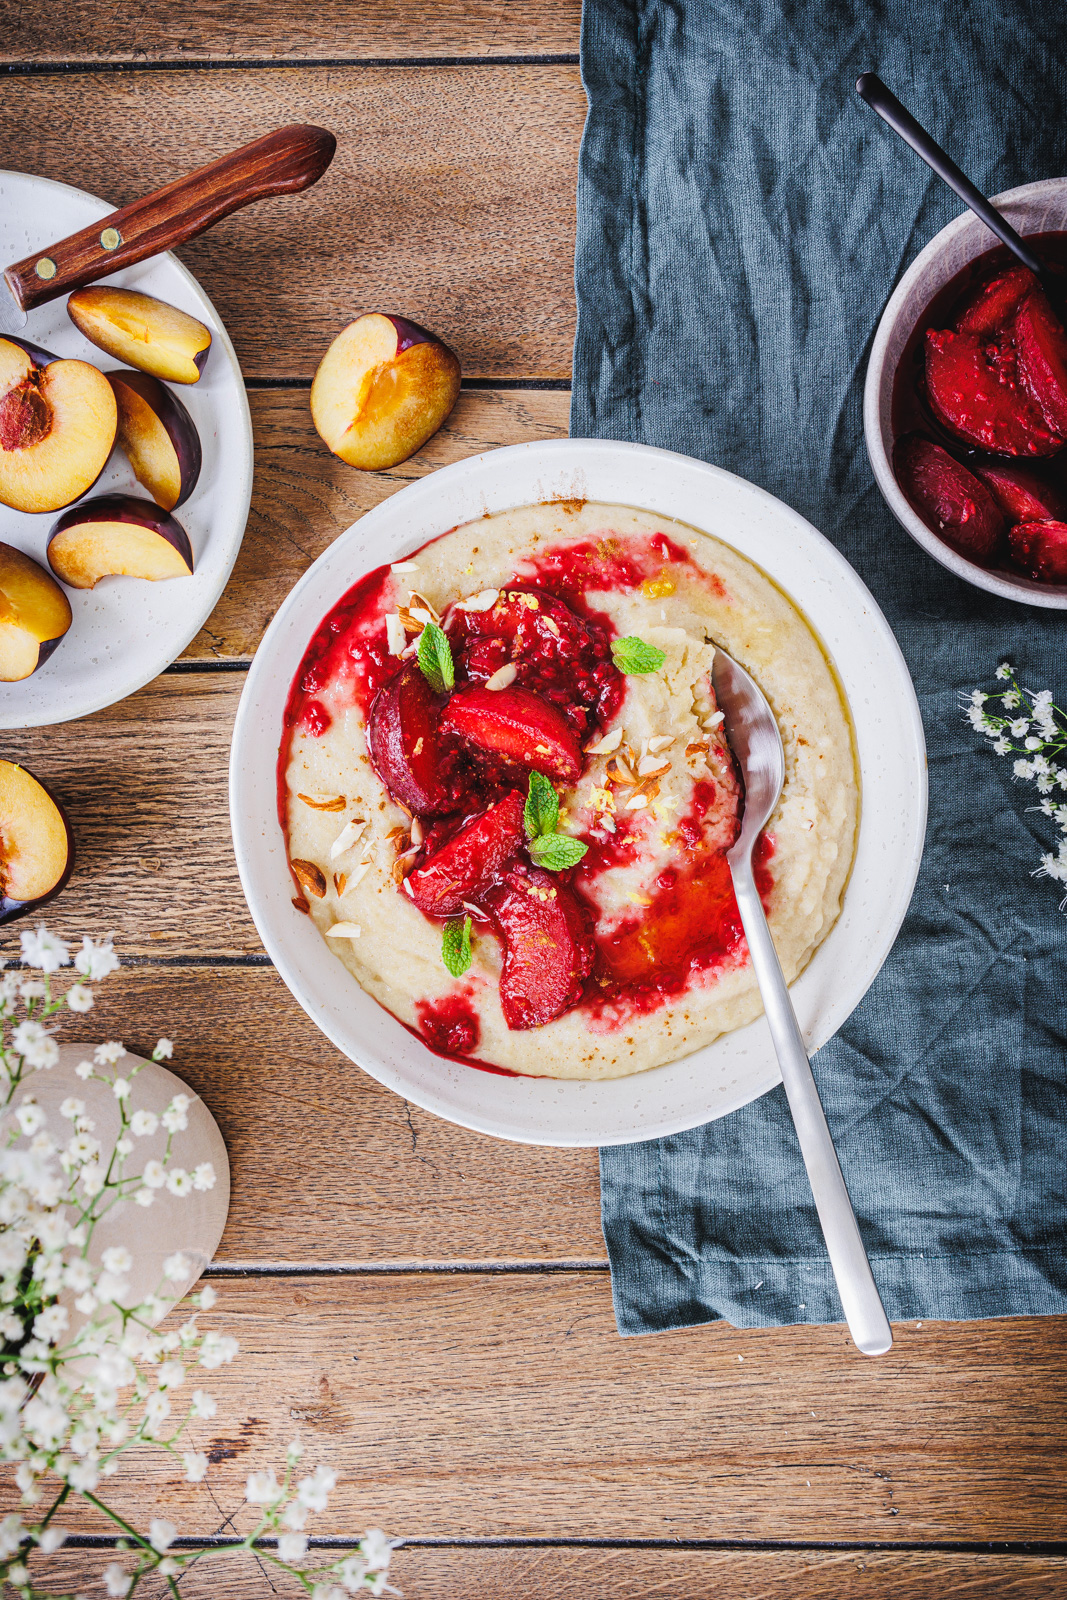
column 871, row 88
column 866, row 1318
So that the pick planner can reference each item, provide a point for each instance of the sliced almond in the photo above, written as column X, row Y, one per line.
column 624, row 773
column 408, row 622
column 662, row 741
column 310, row 877
column 343, row 930
column 421, row 615
column 301, row 905
column 347, row 837
column 652, row 767
column 476, row 911
column 418, row 602
column 324, row 802
column 417, row 832
column 479, row 602
column 551, row 626
column 503, row 676
column 340, row 883
column 605, row 746
column 354, row 878
column 403, row 865
column 408, row 890
column 395, row 633
column 712, row 722
column 608, row 823
column 637, row 802
column 404, row 566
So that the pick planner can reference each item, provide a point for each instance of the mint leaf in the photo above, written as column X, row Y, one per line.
column 557, row 851
column 456, row 946
column 633, row 655
column 541, row 812
column 435, row 659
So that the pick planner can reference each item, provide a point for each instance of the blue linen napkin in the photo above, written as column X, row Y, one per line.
column 742, row 219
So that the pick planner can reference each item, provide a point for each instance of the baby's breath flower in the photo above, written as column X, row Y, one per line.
column 206, row 1297
column 204, row 1176
column 72, row 1107
column 176, row 1267
column 203, row 1404
column 32, row 989
column 179, row 1182
column 116, row 1259
column 263, row 1488
column 313, row 1492
column 84, row 1069
column 96, row 959
column 105, row 1055
column 161, row 1534
column 163, row 1051
column 292, row 1546
column 143, row 1123
column 80, row 998
column 117, row 1580
column 44, row 951
column 217, row 1349
column 121, row 1088
column 154, row 1174
column 144, row 1197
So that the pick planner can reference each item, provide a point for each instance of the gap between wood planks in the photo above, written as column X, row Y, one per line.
column 1023, row 1547
column 45, row 69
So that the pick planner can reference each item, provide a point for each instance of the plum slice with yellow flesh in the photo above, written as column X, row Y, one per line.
column 36, row 843
column 144, row 332
column 548, row 945
column 1041, row 347
column 518, row 726
column 34, row 615
column 1040, row 548
column 118, row 536
column 1022, row 493
column 419, row 765
column 953, row 502
column 57, row 427
column 382, row 388
column 974, row 391
column 159, row 437
column 469, row 860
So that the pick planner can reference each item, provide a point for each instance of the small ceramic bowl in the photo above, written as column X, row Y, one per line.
column 1033, row 208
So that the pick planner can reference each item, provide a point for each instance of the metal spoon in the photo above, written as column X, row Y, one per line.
column 870, row 88
column 753, row 736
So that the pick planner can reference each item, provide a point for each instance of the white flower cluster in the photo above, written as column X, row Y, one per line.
column 83, row 1374
column 1033, row 731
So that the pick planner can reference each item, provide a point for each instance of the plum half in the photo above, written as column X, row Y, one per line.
column 34, row 615
column 1040, row 548
column 518, row 726
column 144, row 332
column 159, row 437
column 974, row 392
column 967, row 516
column 548, row 945
column 36, row 843
column 382, row 389
column 57, row 427
column 118, row 535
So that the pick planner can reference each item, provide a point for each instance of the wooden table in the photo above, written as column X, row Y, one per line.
column 429, row 1309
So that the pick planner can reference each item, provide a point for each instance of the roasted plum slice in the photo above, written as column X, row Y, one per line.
column 159, row 437
column 517, row 726
column 975, row 393
column 1040, row 548
column 1022, row 494
column 36, row 844
column 418, row 763
column 548, row 945
column 952, row 501
column 57, row 427
column 470, row 860
column 562, row 657
column 35, row 615
column 118, row 536
column 992, row 306
column 144, row 332
column 1041, row 351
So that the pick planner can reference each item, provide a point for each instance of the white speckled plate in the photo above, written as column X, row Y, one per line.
column 126, row 630
column 892, row 758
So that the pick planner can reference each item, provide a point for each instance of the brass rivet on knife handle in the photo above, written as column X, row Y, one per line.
column 282, row 162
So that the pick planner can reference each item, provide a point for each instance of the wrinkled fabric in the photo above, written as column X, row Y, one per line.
column 742, row 221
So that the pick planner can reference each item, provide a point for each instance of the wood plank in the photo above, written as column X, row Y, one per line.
column 38, row 30
column 303, row 496
column 503, row 1405
column 450, row 199
column 327, row 1167
column 590, row 1573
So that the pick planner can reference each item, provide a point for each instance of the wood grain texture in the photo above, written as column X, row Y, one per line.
column 450, row 199
column 326, row 1166
column 70, row 30
column 303, row 497
column 598, row 1574
column 506, row 1405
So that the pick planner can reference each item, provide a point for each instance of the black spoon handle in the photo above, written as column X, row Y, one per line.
column 871, row 88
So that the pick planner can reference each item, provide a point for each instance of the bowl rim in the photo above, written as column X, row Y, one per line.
column 966, row 226
column 890, row 747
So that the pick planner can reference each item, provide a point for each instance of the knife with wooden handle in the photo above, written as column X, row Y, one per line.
column 282, row 162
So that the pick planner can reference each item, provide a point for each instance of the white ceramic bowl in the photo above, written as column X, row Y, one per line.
column 1033, row 208
column 737, row 1067
column 125, row 631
